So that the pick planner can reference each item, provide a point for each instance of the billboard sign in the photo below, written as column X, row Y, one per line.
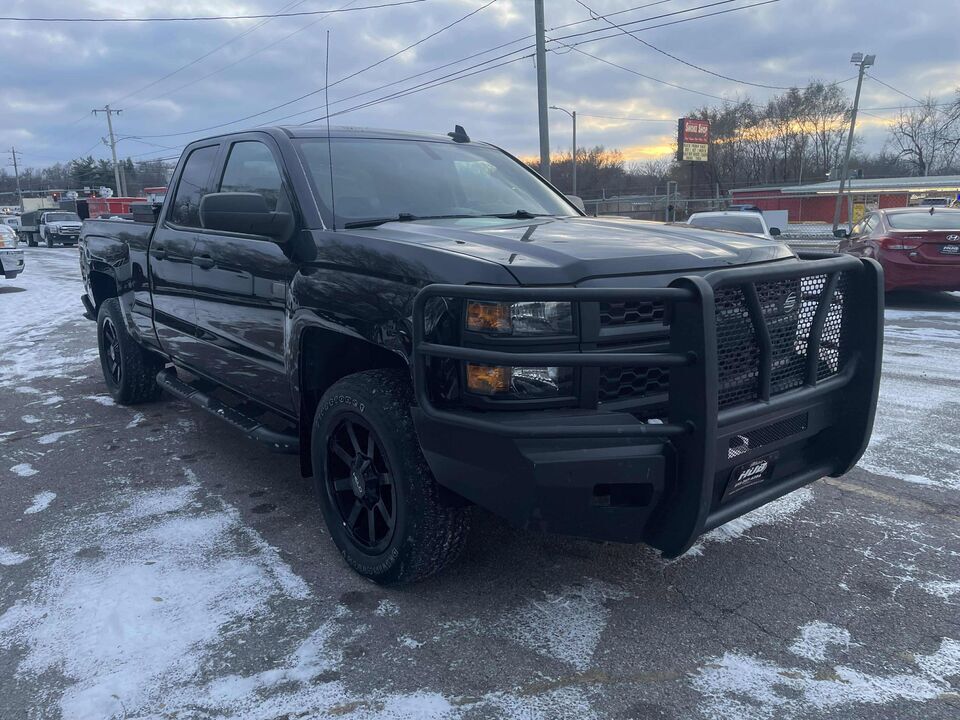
column 693, row 139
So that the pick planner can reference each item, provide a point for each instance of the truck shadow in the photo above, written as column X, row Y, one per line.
column 10, row 289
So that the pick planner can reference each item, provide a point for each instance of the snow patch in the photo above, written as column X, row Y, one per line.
column 9, row 557
column 409, row 642
column 137, row 419
column 386, row 608
column 104, row 400
column 749, row 688
column 24, row 470
column 568, row 625
column 41, row 502
column 817, row 637
column 53, row 400
column 53, row 437
column 945, row 589
column 769, row 514
column 31, row 419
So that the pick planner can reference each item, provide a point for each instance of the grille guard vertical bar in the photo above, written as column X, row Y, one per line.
column 815, row 339
column 763, row 340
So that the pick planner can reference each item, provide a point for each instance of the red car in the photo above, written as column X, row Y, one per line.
column 919, row 248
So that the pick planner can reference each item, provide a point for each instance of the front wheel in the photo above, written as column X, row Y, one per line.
column 129, row 371
column 31, row 240
column 384, row 509
column 49, row 240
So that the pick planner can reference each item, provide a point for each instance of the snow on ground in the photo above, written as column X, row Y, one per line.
column 41, row 501
column 919, row 395
column 24, row 470
column 736, row 685
column 9, row 557
column 769, row 514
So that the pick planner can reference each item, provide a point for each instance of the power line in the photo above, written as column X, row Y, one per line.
column 678, row 59
column 206, row 17
column 219, row 47
column 920, row 103
column 627, row 119
column 333, row 84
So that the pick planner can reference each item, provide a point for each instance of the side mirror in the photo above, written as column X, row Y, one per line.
column 774, row 232
column 840, row 234
column 245, row 213
column 578, row 201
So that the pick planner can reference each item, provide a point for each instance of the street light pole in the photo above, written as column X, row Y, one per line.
column 863, row 62
column 573, row 116
column 542, row 90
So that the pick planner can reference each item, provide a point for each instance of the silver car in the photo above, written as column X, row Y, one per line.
column 11, row 256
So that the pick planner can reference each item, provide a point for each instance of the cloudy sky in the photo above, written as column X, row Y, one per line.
column 174, row 80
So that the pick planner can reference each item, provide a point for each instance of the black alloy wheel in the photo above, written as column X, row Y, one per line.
column 112, row 360
column 360, row 484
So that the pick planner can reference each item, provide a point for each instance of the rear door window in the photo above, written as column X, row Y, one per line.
column 193, row 185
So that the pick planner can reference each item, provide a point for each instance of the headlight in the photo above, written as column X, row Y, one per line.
column 520, row 319
column 521, row 383
column 8, row 240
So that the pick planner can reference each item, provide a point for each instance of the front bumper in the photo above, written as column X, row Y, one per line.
column 11, row 263
column 612, row 475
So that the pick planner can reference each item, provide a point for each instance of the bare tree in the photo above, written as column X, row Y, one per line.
column 927, row 137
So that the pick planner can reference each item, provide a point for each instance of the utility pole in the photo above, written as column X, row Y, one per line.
column 16, row 172
column 113, row 145
column 542, row 90
column 573, row 116
column 863, row 62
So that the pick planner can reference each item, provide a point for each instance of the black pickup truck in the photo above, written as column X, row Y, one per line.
column 433, row 326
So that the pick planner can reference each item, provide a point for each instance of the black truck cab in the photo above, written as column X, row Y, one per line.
column 431, row 325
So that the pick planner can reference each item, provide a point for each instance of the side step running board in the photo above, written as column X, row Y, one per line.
column 278, row 442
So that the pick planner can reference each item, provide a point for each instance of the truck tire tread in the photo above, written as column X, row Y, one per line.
column 435, row 532
column 138, row 381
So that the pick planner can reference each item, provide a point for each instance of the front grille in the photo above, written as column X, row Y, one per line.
column 614, row 314
column 617, row 383
column 787, row 308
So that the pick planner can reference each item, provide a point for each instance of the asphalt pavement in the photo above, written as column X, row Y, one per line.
column 154, row 563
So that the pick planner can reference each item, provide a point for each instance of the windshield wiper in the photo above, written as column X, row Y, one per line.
column 518, row 215
column 402, row 217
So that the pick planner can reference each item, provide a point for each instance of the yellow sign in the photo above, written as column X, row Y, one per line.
column 859, row 210
column 695, row 152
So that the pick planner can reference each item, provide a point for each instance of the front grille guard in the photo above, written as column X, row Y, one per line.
column 693, row 415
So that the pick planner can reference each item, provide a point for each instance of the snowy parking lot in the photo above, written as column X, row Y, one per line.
column 154, row 563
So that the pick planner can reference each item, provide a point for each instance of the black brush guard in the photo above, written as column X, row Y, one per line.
column 694, row 420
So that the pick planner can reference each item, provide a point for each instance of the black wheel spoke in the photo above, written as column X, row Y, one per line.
column 384, row 514
column 371, row 526
column 371, row 446
column 341, row 484
column 342, row 454
column 385, row 479
column 354, row 514
column 353, row 438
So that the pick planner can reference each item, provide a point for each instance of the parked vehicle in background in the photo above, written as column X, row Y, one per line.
column 934, row 202
column 11, row 221
column 744, row 208
column 742, row 221
column 918, row 248
column 431, row 325
column 50, row 227
column 11, row 257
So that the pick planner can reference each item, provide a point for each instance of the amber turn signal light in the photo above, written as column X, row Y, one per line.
column 487, row 379
column 488, row 317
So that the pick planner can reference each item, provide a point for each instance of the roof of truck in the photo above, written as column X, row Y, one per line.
column 314, row 131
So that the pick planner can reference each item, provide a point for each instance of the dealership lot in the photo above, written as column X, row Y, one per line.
column 155, row 563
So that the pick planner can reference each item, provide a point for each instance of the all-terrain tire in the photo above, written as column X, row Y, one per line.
column 129, row 371
column 31, row 240
column 429, row 530
column 49, row 240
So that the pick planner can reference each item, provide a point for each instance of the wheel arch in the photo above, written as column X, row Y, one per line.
column 325, row 357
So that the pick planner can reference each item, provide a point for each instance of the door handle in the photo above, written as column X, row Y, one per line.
column 159, row 253
column 203, row 261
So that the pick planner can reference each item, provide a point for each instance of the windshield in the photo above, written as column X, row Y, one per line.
column 737, row 223
column 61, row 217
column 939, row 220
column 384, row 178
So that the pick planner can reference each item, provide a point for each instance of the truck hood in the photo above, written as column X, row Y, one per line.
column 569, row 250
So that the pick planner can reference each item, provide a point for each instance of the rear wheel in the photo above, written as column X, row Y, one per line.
column 31, row 239
column 384, row 509
column 129, row 371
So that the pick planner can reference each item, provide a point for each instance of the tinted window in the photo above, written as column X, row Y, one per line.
column 737, row 223
column 381, row 178
column 924, row 220
column 193, row 185
column 251, row 168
